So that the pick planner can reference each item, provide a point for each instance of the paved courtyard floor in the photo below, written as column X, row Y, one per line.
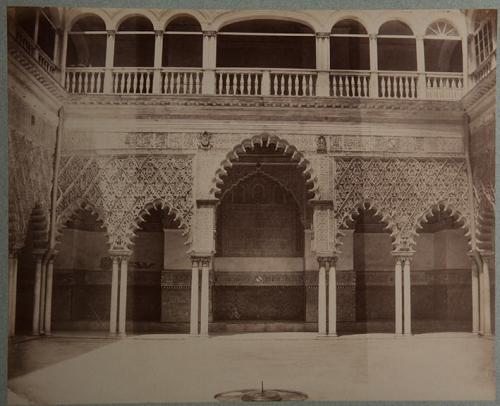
column 160, row 368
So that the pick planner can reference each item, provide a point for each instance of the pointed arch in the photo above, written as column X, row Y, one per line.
column 266, row 140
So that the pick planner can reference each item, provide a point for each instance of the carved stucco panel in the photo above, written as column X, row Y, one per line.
column 120, row 188
column 403, row 191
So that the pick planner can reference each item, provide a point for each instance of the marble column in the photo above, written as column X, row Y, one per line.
column 407, row 296
column 204, row 303
column 332, row 297
column 122, row 311
column 43, row 291
column 323, row 64
column 475, row 296
column 486, row 295
column 321, row 298
column 36, row 295
column 109, row 63
column 48, row 296
column 398, row 294
column 373, row 66
column 421, row 85
column 195, row 292
column 63, row 57
column 158, row 59
column 113, row 313
column 12, row 292
column 209, row 62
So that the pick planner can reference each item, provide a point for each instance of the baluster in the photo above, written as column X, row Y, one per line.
column 199, row 82
column 407, row 87
column 125, row 81
column 365, row 87
column 389, row 86
column 350, row 87
column 334, row 86
column 92, row 81
column 358, row 87
column 281, row 90
column 184, row 82
column 140, row 80
column 73, row 82
column 99, row 82
column 238, row 83
column 341, row 86
column 226, row 82
column 192, row 83
column 79, row 86
column 176, row 83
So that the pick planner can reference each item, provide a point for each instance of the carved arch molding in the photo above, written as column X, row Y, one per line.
column 120, row 189
column 403, row 191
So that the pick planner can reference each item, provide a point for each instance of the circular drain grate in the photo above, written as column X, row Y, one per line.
column 256, row 395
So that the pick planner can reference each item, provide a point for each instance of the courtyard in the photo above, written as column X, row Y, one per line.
column 179, row 368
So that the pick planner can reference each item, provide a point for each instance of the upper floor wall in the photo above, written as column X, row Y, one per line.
column 428, row 54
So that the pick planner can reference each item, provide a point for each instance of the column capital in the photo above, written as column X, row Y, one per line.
column 403, row 255
column 210, row 34
column 110, row 32
column 372, row 36
column 322, row 35
column 201, row 259
column 159, row 32
column 120, row 255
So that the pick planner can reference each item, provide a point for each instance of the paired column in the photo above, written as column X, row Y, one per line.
column 37, row 292
column 485, row 295
column 119, row 282
column 327, row 297
column 402, row 292
column 475, row 293
column 12, row 292
column 209, row 61
column 200, row 295
column 323, row 64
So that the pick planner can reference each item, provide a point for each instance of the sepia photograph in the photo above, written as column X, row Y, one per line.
column 240, row 205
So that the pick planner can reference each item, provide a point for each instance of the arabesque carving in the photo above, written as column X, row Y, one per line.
column 402, row 191
column 120, row 189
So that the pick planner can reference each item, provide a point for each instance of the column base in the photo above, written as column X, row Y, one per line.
column 332, row 335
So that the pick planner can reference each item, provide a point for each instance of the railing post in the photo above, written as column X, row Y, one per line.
column 110, row 56
column 373, row 91
column 266, row 83
column 158, row 61
column 323, row 64
column 209, row 62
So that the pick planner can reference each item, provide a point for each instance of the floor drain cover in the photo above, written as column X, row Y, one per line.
column 258, row 395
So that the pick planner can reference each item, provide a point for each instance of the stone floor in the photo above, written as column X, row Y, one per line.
column 158, row 368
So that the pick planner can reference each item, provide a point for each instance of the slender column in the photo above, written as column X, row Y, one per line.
column 12, row 293
column 122, row 315
column 481, row 298
column 407, row 296
column 64, row 52
column 158, row 61
column 373, row 66
column 205, row 273
column 36, row 295
column 465, row 64
column 323, row 64
column 14, row 297
column 321, row 298
column 55, row 53
column 475, row 296
column 195, row 291
column 421, row 86
column 113, row 313
column 209, row 61
column 43, row 291
column 110, row 59
column 48, row 296
column 35, row 33
column 486, row 293
column 398, row 286
column 332, row 298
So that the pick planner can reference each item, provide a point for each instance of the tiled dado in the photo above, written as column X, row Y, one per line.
column 182, row 278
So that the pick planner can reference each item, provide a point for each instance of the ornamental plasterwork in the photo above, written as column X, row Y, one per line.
column 403, row 191
column 30, row 177
column 121, row 188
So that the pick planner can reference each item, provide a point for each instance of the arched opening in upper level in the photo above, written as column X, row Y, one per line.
column 396, row 47
column 135, row 43
column 349, row 46
column 183, row 43
column 266, row 43
column 87, row 42
column 443, row 48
